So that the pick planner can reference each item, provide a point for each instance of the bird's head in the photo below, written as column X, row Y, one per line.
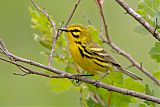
column 77, row 33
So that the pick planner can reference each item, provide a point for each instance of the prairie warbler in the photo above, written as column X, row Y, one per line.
column 90, row 55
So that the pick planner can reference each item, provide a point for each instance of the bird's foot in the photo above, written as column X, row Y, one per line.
column 76, row 76
column 96, row 83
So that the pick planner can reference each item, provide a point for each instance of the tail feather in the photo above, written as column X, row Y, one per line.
column 132, row 75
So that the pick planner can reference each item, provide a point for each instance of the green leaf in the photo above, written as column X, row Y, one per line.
column 157, row 74
column 143, row 105
column 60, row 85
column 149, row 91
column 119, row 100
column 114, row 78
column 70, row 69
column 155, row 52
column 131, row 84
column 43, row 26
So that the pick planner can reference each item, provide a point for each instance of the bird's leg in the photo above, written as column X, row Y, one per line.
column 76, row 76
column 105, row 74
column 96, row 82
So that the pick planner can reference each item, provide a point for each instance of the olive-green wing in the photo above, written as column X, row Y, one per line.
column 98, row 51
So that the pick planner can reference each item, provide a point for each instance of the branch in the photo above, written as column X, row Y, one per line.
column 138, row 17
column 62, row 74
column 85, row 17
column 121, row 51
column 31, row 71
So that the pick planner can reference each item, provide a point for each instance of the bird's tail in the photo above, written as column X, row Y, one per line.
column 132, row 75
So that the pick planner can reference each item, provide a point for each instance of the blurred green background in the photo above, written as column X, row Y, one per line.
column 15, row 30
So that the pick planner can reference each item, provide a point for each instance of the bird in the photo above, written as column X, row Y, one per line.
column 89, row 55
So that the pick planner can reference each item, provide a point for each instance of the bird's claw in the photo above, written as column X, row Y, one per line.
column 96, row 83
column 76, row 78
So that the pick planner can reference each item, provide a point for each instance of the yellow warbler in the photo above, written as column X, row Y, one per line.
column 90, row 55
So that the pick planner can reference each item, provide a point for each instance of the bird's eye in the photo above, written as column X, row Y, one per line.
column 75, row 33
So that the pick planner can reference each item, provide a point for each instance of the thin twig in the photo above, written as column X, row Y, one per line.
column 103, row 20
column 129, row 66
column 72, row 13
column 24, row 74
column 97, row 97
column 53, row 48
column 156, row 23
column 122, row 52
column 63, row 74
column 5, row 51
column 139, row 18
column 85, row 17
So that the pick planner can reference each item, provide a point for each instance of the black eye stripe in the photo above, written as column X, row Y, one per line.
column 75, row 30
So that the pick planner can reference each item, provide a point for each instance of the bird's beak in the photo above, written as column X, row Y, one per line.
column 63, row 29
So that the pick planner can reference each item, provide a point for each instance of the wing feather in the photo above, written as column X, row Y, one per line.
column 98, row 51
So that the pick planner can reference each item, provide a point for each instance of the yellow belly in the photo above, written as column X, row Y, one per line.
column 84, row 62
